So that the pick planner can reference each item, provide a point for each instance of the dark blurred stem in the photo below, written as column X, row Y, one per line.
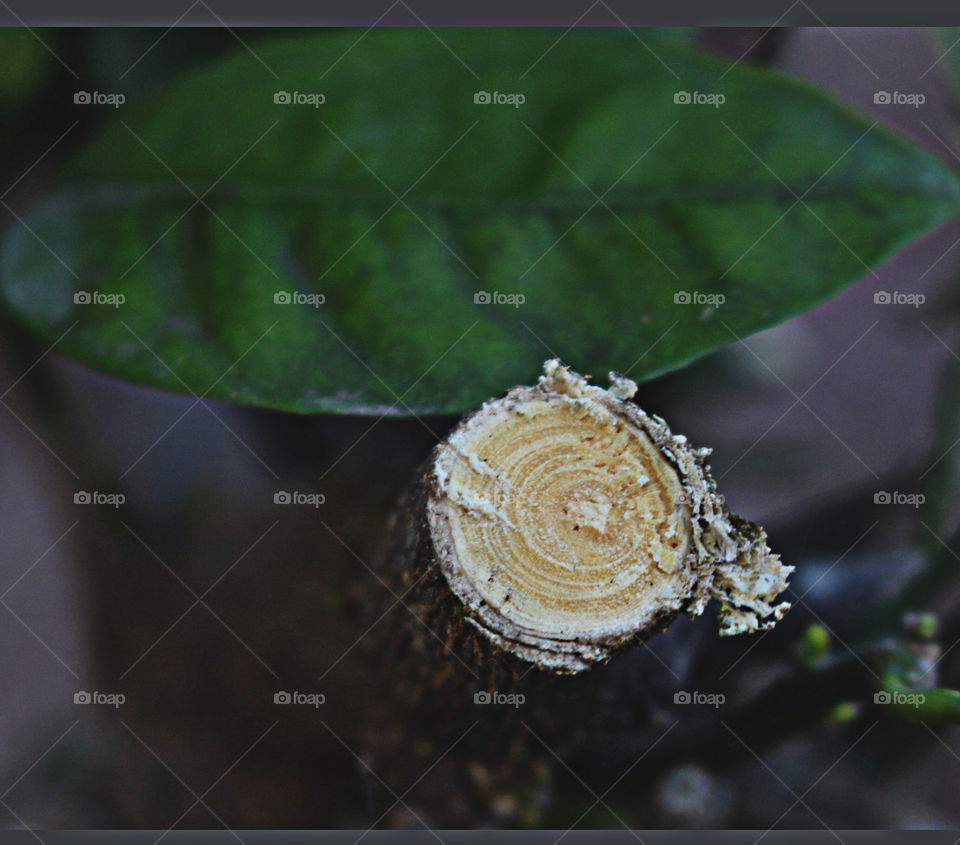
column 943, row 565
column 804, row 701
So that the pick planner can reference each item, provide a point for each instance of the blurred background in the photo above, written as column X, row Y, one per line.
column 200, row 605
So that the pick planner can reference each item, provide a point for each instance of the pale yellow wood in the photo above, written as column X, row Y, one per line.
column 568, row 522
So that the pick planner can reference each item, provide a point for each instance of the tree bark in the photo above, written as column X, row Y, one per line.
column 555, row 527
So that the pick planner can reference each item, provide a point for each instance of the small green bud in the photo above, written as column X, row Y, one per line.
column 844, row 712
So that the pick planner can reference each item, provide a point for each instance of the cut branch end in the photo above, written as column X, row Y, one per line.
column 567, row 522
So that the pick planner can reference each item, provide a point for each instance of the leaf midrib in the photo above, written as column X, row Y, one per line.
column 746, row 192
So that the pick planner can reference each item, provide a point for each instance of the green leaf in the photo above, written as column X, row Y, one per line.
column 399, row 199
column 921, row 705
column 946, row 45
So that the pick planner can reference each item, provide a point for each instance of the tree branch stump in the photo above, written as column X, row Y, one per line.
column 553, row 528
column 561, row 522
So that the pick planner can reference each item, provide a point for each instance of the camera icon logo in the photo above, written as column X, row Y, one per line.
column 81, row 697
column 482, row 297
column 682, row 697
column 282, row 497
column 881, row 297
column 82, row 297
column 882, row 497
column 881, row 697
column 882, row 98
column 281, row 697
column 282, row 297
column 482, row 697
column 482, row 98
column 82, row 98
column 282, row 98
column 682, row 98
column 81, row 497
column 681, row 297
